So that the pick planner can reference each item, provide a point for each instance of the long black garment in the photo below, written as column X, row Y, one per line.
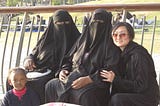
column 93, row 52
column 136, row 85
column 55, row 42
column 49, row 51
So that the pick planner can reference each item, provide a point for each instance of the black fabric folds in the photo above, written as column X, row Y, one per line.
column 50, row 50
column 55, row 42
column 137, row 76
column 93, row 52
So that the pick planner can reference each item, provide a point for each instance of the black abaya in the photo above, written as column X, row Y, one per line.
column 56, row 41
column 136, row 84
column 93, row 52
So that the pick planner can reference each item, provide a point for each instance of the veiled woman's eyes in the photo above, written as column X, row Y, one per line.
column 66, row 22
column 61, row 22
column 99, row 21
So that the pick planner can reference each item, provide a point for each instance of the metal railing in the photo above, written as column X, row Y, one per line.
column 16, row 44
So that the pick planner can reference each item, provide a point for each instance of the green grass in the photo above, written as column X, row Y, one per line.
column 149, row 16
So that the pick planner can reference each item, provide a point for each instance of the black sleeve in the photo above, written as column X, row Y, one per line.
column 35, row 99
column 67, row 61
column 67, row 64
column 139, row 65
column 110, row 62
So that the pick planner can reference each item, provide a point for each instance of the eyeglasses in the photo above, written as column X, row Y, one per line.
column 121, row 35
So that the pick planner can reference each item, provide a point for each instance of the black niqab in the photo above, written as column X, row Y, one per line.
column 95, row 41
column 56, row 41
column 93, row 52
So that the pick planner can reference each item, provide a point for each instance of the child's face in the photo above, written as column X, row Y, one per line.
column 18, row 80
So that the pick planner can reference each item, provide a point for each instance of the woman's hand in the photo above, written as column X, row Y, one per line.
column 81, row 82
column 29, row 64
column 107, row 75
column 63, row 75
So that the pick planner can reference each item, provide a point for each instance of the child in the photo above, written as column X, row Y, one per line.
column 20, row 95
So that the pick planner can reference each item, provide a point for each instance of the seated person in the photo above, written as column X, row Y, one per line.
column 20, row 95
column 132, row 20
column 79, row 81
column 85, row 21
column 43, row 22
column 134, row 83
column 47, row 55
column 117, row 18
column 139, row 22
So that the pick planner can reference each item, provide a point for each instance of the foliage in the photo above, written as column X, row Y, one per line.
column 56, row 2
column 59, row 2
column 71, row 1
column 12, row 2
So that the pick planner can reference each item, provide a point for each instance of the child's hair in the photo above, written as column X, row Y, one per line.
column 15, row 70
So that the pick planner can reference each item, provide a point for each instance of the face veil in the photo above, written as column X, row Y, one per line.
column 95, row 37
column 94, row 51
column 56, row 41
column 97, row 27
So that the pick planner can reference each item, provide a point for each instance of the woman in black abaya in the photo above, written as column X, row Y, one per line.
column 47, row 56
column 79, row 81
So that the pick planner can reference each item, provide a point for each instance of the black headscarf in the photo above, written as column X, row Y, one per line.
column 95, row 40
column 56, row 41
column 94, row 50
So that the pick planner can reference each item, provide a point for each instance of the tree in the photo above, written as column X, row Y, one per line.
column 71, row 1
column 56, row 2
column 2, row 3
column 12, row 2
